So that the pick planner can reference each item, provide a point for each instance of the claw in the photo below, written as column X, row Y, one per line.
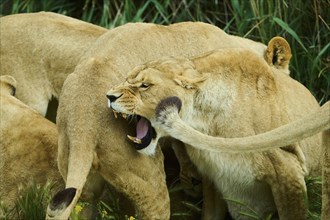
column 134, row 139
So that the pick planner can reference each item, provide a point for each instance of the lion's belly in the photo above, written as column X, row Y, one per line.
column 235, row 177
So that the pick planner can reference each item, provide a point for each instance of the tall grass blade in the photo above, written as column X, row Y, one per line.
column 287, row 28
column 318, row 57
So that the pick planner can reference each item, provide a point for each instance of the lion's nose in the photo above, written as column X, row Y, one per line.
column 112, row 98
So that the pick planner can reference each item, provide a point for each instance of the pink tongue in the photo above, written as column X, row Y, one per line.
column 142, row 128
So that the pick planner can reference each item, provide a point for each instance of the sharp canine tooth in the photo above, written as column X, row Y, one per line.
column 124, row 115
column 130, row 137
column 115, row 113
column 134, row 139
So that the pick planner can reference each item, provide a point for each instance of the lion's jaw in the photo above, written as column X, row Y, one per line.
column 147, row 134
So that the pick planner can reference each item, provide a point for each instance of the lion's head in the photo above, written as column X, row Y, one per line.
column 202, row 84
column 145, row 86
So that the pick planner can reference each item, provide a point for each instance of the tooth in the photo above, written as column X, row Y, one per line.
column 124, row 115
column 134, row 139
column 138, row 141
column 130, row 137
column 115, row 113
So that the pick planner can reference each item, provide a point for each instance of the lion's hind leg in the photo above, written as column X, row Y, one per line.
column 285, row 175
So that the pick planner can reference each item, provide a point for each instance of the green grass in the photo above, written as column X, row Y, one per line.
column 33, row 201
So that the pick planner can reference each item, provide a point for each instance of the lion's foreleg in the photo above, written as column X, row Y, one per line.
column 91, row 194
column 150, row 201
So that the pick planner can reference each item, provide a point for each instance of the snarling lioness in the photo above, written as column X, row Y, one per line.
column 231, row 93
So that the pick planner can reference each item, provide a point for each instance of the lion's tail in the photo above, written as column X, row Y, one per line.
column 311, row 124
column 79, row 165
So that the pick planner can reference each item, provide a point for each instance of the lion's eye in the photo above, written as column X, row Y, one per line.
column 144, row 85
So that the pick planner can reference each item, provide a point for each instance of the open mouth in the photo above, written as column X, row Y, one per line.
column 144, row 131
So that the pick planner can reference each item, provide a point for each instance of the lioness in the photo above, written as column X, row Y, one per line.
column 232, row 93
column 40, row 50
column 28, row 146
column 169, row 120
column 91, row 139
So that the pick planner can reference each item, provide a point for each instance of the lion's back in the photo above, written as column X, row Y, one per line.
column 41, row 49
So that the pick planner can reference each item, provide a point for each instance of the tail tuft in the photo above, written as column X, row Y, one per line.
column 61, row 201
column 167, row 103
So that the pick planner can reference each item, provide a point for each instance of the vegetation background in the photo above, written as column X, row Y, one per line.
column 304, row 23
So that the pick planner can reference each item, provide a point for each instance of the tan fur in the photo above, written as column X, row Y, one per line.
column 233, row 93
column 27, row 149
column 89, row 136
column 40, row 50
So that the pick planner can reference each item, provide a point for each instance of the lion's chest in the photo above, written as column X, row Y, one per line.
column 230, row 168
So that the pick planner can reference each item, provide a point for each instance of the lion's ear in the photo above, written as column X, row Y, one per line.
column 278, row 53
column 8, row 84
